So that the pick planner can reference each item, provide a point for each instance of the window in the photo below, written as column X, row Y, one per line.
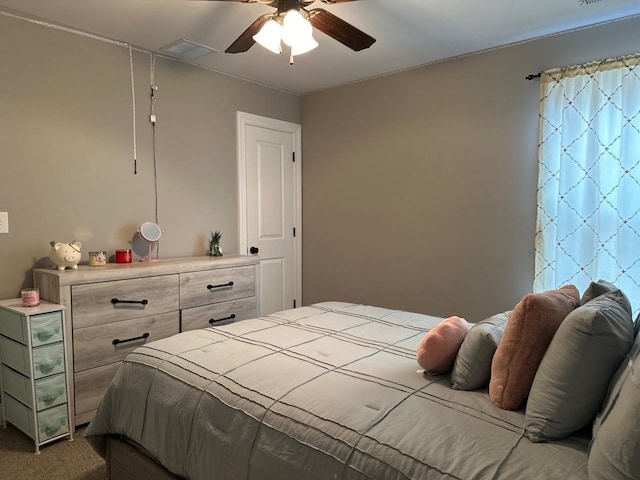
column 588, row 223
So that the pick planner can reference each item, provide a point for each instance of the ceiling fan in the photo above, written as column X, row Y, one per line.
column 320, row 18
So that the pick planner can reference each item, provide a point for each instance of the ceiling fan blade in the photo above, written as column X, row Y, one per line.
column 245, row 41
column 340, row 30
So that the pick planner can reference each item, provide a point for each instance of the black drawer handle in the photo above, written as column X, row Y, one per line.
column 211, row 287
column 230, row 317
column 144, row 336
column 141, row 302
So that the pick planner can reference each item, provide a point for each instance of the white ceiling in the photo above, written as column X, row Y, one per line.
column 409, row 33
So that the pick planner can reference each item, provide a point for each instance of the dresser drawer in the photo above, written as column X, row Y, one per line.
column 47, row 360
column 15, row 354
column 52, row 422
column 13, row 326
column 213, row 286
column 46, row 328
column 221, row 313
column 93, row 346
column 90, row 386
column 50, row 391
column 101, row 303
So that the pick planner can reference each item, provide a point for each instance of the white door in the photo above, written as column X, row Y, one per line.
column 269, row 177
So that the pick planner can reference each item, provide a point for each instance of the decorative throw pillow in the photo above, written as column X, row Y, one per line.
column 613, row 453
column 595, row 289
column 531, row 327
column 573, row 377
column 438, row 349
column 472, row 368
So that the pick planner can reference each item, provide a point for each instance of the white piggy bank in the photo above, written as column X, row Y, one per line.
column 65, row 255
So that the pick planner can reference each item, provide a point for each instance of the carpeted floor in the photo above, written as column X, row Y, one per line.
column 60, row 460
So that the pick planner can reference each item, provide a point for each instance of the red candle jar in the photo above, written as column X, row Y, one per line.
column 123, row 256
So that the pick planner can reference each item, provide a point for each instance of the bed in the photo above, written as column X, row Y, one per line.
column 327, row 391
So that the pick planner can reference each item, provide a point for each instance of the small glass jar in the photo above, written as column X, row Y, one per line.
column 123, row 256
column 98, row 259
column 30, row 297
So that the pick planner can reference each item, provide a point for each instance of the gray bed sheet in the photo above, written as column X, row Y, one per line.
column 329, row 391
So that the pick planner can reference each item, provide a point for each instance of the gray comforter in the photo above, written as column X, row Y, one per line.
column 329, row 391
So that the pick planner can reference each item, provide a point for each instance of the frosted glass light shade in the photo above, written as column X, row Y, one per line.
column 269, row 36
column 304, row 45
column 295, row 28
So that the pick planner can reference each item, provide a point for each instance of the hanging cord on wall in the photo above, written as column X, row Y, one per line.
column 133, row 101
column 152, row 119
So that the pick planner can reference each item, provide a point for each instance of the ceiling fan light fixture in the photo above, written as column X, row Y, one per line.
column 269, row 36
column 296, row 29
column 304, row 45
column 297, row 25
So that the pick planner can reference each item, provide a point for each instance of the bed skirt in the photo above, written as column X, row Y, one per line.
column 125, row 461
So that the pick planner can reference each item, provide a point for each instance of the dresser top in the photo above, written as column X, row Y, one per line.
column 121, row 271
column 15, row 305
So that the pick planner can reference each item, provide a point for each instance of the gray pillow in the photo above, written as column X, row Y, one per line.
column 595, row 289
column 572, row 379
column 613, row 453
column 472, row 368
column 636, row 327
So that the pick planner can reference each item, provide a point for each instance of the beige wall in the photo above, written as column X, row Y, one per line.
column 66, row 148
column 420, row 187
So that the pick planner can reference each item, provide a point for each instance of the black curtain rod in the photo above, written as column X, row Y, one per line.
column 532, row 76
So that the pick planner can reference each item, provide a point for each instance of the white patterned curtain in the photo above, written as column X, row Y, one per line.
column 588, row 224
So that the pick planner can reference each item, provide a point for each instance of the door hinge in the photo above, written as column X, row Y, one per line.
column 294, row 231
column 294, row 304
column 293, row 155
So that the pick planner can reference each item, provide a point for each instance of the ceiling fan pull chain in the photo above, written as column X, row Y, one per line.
column 291, row 59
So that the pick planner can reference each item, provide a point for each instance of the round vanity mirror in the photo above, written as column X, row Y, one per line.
column 151, row 233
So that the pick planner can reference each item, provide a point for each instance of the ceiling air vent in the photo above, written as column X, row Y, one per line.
column 187, row 49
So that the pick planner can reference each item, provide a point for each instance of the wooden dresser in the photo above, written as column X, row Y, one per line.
column 114, row 308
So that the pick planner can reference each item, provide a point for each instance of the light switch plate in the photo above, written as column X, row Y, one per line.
column 4, row 222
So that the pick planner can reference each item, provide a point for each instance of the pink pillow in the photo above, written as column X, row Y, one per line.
column 532, row 325
column 438, row 349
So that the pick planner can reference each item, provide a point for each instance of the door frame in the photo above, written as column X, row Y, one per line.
column 246, row 119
